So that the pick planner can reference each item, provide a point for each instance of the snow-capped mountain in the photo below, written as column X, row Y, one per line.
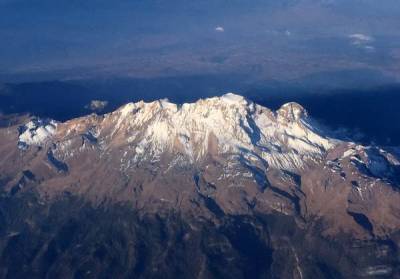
column 217, row 157
column 228, row 125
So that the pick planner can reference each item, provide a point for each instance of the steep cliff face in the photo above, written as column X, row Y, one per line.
column 222, row 170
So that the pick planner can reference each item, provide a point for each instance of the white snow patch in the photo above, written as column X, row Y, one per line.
column 232, row 98
column 348, row 153
column 36, row 132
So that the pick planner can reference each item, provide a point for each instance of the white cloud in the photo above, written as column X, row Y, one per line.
column 97, row 105
column 359, row 38
column 219, row 29
column 369, row 48
column 362, row 41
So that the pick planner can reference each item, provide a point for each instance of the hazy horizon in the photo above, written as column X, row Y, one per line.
column 267, row 40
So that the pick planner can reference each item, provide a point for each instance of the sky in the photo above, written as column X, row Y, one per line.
column 288, row 39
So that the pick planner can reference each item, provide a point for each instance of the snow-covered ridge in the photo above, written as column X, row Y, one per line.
column 36, row 132
column 229, row 124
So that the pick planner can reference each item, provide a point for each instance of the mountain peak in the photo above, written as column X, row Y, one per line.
column 36, row 132
column 233, row 98
column 292, row 111
column 241, row 155
column 227, row 125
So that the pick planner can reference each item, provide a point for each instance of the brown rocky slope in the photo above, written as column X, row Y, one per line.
column 219, row 188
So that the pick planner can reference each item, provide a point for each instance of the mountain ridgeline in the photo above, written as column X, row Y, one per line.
column 218, row 188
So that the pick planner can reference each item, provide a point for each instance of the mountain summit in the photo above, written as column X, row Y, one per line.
column 229, row 125
column 208, row 162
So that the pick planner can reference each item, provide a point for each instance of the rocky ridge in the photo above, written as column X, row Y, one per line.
column 212, row 160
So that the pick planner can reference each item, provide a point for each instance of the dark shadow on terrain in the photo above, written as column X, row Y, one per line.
column 70, row 238
column 362, row 220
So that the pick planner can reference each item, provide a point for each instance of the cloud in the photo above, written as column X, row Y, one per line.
column 360, row 39
column 219, row 29
column 96, row 105
column 369, row 48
